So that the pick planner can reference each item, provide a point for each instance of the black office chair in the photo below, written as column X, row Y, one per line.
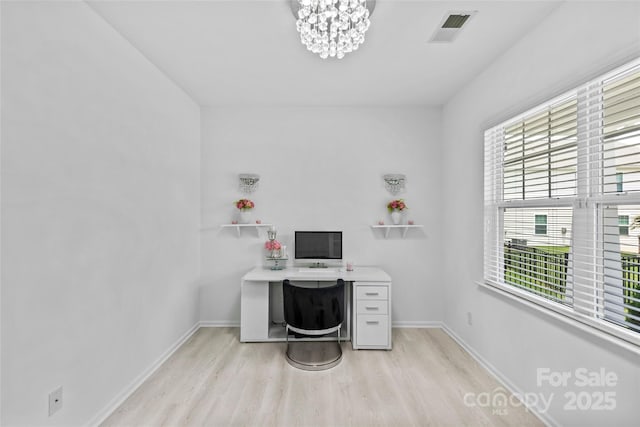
column 313, row 312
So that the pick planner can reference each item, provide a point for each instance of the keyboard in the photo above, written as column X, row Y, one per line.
column 318, row 271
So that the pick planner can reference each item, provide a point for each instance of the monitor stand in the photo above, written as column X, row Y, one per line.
column 318, row 265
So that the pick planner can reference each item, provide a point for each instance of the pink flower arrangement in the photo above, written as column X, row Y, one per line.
column 272, row 245
column 396, row 205
column 244, row 204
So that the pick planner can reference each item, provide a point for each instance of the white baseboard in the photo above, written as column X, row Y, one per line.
column 417, row 324
column 504, row 381
column 219, row 324
column 101, row 416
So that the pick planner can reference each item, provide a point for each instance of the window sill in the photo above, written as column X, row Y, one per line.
column 609, row 332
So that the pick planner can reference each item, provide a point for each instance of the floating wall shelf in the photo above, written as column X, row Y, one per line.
column 404, row 228
column 239, row 227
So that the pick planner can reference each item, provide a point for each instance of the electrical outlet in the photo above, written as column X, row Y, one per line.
column 55, row 401
column 469, row 318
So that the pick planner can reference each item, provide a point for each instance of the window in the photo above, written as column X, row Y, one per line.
column 539, row 158
column 541, row 224
column 619, row 182
column 537, row 262
column 564, row 164
column 623, row 225
column 531, row 174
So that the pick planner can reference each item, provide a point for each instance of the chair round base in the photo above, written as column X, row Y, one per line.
column 314, row 355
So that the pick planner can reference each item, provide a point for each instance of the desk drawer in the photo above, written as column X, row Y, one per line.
column 372, row 330
column 372, row 307
column 372, row 292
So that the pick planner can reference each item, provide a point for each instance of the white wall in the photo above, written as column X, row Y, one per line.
column 322, row 168
column 576, row 42
column 100, row 212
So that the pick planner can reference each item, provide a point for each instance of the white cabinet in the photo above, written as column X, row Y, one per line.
column 254, row 311
column 372, row 315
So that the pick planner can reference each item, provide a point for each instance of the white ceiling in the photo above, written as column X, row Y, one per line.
column 245, row 52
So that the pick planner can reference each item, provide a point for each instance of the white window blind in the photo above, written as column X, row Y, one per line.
column 538, row 263
column 620, row 157
column 530, row 183
column 558, row 178
column 540, row 154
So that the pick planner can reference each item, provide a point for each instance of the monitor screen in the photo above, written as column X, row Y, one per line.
column 318, row 245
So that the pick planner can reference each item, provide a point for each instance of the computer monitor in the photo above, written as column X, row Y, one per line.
column 318, row 248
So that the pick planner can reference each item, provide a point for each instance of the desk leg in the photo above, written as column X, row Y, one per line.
column 349, row 307
column 254, row 311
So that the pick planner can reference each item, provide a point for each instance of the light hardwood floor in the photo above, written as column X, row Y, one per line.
column 214, row 380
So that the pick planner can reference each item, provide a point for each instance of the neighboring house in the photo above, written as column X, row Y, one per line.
column 552, row 226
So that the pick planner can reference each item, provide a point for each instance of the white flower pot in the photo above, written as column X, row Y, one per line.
column 245, row 216
column 396, row 217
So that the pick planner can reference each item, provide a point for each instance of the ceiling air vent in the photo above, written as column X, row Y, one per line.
column 455, row 21
column 450, row 26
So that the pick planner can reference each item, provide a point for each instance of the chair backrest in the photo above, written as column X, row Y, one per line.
column 313, row 308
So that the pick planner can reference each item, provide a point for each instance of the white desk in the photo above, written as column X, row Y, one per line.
column 368, row 304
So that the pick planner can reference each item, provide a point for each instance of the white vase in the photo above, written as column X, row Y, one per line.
column 245, row 217
column 396, row 216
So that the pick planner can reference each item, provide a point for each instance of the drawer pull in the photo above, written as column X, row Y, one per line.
column 372, row 322
column 369, row 307
column 371, row 293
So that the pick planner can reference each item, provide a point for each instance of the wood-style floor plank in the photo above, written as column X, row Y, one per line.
column 214, row 380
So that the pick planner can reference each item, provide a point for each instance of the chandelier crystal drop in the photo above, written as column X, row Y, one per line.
column 332, row 28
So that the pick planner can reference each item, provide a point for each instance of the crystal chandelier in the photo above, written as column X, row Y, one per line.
column 394, row 182
column 248, row 182
column 332, row 28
